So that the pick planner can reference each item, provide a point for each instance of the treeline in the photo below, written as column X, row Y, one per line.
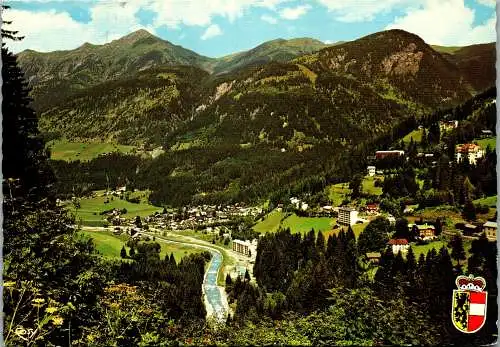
column 312, row 276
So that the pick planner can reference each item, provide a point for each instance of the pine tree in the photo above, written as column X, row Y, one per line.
column 131, row 252
column 320, row 243
column 469, row 211
column 123, row 252
column 229, row 280
column 247, row 276
column 457, row 249
column 25, row 166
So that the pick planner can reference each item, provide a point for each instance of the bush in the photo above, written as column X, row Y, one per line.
column 482, row 209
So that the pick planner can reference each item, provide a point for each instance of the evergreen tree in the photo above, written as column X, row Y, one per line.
column 469, row 211
column 131, row 252
column 229, row 280
column 402, row 231
column 374, row 238
column 320, row 243
column 247, row 276
column 123, row 252
column 25, row 166
column 457, row 249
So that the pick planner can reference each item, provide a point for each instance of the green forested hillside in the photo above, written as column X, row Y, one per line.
column 56, row 75
column 279, row 50
column 141, row 108
column 476, row 63
column 261, row 130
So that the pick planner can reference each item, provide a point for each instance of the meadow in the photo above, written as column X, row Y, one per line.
column 83, row 151
column 490, row 141
column 90, row 208
column 416, row 135
column 110, row 245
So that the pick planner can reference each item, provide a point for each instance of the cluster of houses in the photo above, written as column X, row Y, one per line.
column 298, row 204
column 428, row 232
column 120, row 191
column 201, row 216
column 469, row 150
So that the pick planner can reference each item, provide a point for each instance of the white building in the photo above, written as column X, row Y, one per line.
column 470, row 150
column 245, row 247
column 371, row 170
column 347, row 216
column 399, row 245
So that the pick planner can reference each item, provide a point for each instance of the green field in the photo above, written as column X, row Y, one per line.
column 490, row 201
column 270, row 223
column 273, row 221
column 368, row 185
column 423, row 249
column 109, row 245
column 484, row 143
column 90, row 208
column 415, row 134
column 437, row 245
column 338, row 192
column 71, row 151
column 304, row 224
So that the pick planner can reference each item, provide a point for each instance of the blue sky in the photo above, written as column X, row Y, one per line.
column 219, row 27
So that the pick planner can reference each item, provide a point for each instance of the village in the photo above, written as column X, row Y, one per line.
column 221, row 220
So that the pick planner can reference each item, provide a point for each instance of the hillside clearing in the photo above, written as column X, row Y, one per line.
column 83, row 151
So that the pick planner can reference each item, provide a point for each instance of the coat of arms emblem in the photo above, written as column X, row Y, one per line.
column 469, row 304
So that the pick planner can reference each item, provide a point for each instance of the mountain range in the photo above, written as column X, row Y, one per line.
column 271, row 116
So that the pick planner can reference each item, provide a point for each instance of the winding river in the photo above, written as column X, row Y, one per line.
column 215, row 300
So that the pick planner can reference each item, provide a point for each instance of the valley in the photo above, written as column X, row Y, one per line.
column 300, row 192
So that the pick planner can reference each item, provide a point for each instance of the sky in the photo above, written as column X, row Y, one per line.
column 219, row 27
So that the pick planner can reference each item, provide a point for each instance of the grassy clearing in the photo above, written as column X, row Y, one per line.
column 90, row 208
column 274, row 220
column 338, row 192
column 490, row 201
column 449, row 213
column 304, row 224
column 368, row 186
column 71, row 151
column 270, row 223
column 423, row 249
column 490, row 141
column 109, row 246
column 415, row 134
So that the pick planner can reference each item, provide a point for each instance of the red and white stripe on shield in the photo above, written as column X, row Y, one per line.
column 477, row 311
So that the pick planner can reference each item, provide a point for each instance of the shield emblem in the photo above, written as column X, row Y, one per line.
column 469, row 304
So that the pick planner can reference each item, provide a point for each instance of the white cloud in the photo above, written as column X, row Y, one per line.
column 195, row 12
column 490, row 3
column 364, row 10
column 292, row 13
column 452, row 24
column 212, row 31
column 54, row 29
column 269, row 19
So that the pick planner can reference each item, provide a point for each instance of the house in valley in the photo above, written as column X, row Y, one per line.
column 399, row 245
column 373, row 257
column 371, row 171
column 490, row 230
column 389, row 154
column 470, row 150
